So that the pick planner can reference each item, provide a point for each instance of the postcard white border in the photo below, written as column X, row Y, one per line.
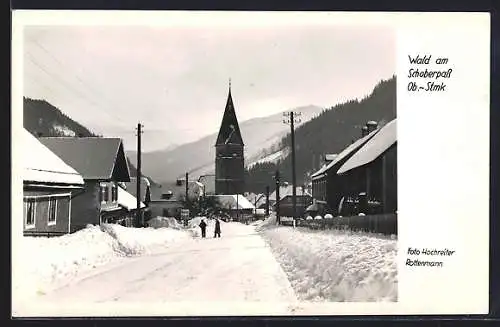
column 459, row 148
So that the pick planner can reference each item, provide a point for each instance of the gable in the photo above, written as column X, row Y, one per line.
column 121, row 170
column 92, row 157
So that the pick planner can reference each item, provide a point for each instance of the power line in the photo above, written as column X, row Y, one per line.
column 65, row 83
column 75, row 75
column 93, row 104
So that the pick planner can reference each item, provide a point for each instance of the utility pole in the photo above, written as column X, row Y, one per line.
column 187, row 188
column 277, row 178
column 292, row 118
column 267, row 200
column 139, row 177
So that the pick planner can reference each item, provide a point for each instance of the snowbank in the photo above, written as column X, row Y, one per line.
column 335, row 265
column 50, row 262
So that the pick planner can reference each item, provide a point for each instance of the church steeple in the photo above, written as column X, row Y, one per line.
column 229, row 153
column 229, row 132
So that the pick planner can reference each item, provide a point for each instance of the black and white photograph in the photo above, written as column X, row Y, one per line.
column 204, row 161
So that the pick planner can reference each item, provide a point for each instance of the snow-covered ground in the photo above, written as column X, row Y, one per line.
column 335, row 265
column 236, row 268
column 257, row 268
column 48, row 263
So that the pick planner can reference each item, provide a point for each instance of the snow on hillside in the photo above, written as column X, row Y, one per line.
column 273, row 157
column 335, row 265
column 48, row 263
column 63, row 130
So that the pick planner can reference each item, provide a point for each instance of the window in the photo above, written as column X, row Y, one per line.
column 114, row 193
column 104, row 194
column 52, row 211
column 30, row 213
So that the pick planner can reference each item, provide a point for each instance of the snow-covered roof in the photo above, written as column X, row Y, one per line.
column 330, row 156
column 320, row 171
column 377, row 145
column 288, row 190
column 127, row 200
column 42, row 165
column 229, row 201
column 347, row 151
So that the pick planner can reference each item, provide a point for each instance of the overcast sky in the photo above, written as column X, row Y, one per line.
column 175, row 80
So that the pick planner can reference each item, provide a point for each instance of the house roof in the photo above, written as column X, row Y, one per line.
column 132, row 187
column 43, row 166
column 229, row 131
column 229, row 201
column 330, row 156
column 93, row 157
column 372, row 149
column 345, row 153
column 127, row 200
column 288, row 190
column 178, row 191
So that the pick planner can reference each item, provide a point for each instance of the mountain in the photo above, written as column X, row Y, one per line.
column 329, row 132
column 198, row 158
column 42, row 118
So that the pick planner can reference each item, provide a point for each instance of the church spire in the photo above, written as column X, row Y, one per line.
column 229, row 130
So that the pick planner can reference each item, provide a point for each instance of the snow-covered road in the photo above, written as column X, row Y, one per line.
column 237, row 267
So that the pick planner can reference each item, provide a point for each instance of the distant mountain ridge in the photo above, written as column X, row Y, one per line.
column 330, row 132
column 41, row 118
column 198, row 158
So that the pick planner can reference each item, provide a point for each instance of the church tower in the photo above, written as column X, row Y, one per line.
column 229, row 159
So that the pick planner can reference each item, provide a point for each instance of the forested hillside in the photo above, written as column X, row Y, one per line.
column 42, row 118
column 330, row 132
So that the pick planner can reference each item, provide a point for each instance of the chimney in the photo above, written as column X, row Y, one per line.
column 371, row 126
column 364, row 131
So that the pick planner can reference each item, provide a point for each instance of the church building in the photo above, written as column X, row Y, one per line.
column 229, row 158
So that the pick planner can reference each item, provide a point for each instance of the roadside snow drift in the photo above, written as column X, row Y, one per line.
column 159, row 222
column 336, row 265
column 49, row 262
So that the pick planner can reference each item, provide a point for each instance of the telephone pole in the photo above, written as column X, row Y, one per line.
column 292, row 118
column 139, row 177
column 277, row 178
column 267, row 200
column 187, row 189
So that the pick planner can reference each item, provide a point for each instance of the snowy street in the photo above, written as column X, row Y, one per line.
column 237, row 267
column 258, row 268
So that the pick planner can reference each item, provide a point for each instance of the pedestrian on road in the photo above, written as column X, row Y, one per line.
column 203, row 227
column 217, row 228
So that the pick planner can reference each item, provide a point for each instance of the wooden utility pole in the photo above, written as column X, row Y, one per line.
column 277, row 178
column 138, row 180
column 267, row 200
column 293, row 118
column 187, row 189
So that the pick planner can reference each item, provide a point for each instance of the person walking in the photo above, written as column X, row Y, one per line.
column 203, row 227
column 217, row 228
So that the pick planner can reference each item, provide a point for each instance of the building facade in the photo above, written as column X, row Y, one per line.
column 49, row 186
column 229, row 153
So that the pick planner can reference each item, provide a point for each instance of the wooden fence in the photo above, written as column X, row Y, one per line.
column 384, row 223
